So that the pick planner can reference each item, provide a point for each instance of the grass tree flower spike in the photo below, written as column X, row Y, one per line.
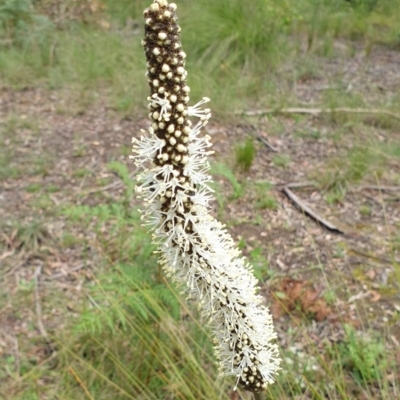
column 195, row 249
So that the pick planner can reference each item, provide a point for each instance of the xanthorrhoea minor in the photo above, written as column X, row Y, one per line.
column 195, row 249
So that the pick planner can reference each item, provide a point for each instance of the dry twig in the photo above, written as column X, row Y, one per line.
column 378, row 187
column 360, row 188
column 114, row 185
column 317, row 111
column 269, row 145
column 38, row 306
column 307, row 210
column 61, row 274
column 356, row 252
column 18, row 262
column 81, row 384
column 296, row 185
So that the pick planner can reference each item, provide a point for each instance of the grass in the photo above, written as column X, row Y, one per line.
column 116, row 346
column 355, row 165
column 143, row 317
column 127, row 333
column 265, row 200
column 245, row 154
column 364, row 357
column 220, row 169
column 134, row 336
column 232, row 68
column 281, row 160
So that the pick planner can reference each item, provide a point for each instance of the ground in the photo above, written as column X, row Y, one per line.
column 344, row 166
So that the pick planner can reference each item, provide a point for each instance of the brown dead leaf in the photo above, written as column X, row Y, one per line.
column 371, row 274
column 57, row 265
column 291, row 295
column 375, row 296
column 6, row 254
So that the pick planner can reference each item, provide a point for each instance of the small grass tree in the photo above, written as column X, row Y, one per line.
column 194, row 248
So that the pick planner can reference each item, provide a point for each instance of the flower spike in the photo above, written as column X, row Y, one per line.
column 195, row 249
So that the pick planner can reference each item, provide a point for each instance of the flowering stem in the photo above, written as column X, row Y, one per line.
column 195, row 249
column 259, row 396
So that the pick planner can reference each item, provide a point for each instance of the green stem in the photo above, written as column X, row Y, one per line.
column 259, row 396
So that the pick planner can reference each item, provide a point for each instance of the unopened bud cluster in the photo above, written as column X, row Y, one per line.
column 194, row 248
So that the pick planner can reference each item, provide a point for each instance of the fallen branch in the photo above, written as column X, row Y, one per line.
column 114, row 185
column 378, row 187
column 356, row 252
column 353, row 189
column 317, row 111
column 38, row 306
column 307, row 210
column 61, row 274
column 269, row 145
column 295, row 185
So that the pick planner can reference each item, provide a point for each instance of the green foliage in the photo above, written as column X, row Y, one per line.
column 123, row 173
column 14, row 15
column 31, row 235
column 330, row 297
column 81, row 173
column 223, row 170
column 267, row 202
column 117, row 213
column 114, row 225
column 367, row 5
column 131, row 341
column 260, row 264
column 135, row 337
column 245, row 154
column 365, row 210
column 134, row 292
column 7, row 170
column 351, row 168
column 264, row 200
column 122, row 10
column 18, row 21
column 365, row 358
column 83, row 59
column 358, row 162
column 281, row 160
column 114, row 212
column 229, row 32
column 369, row 20
column 231, row 45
